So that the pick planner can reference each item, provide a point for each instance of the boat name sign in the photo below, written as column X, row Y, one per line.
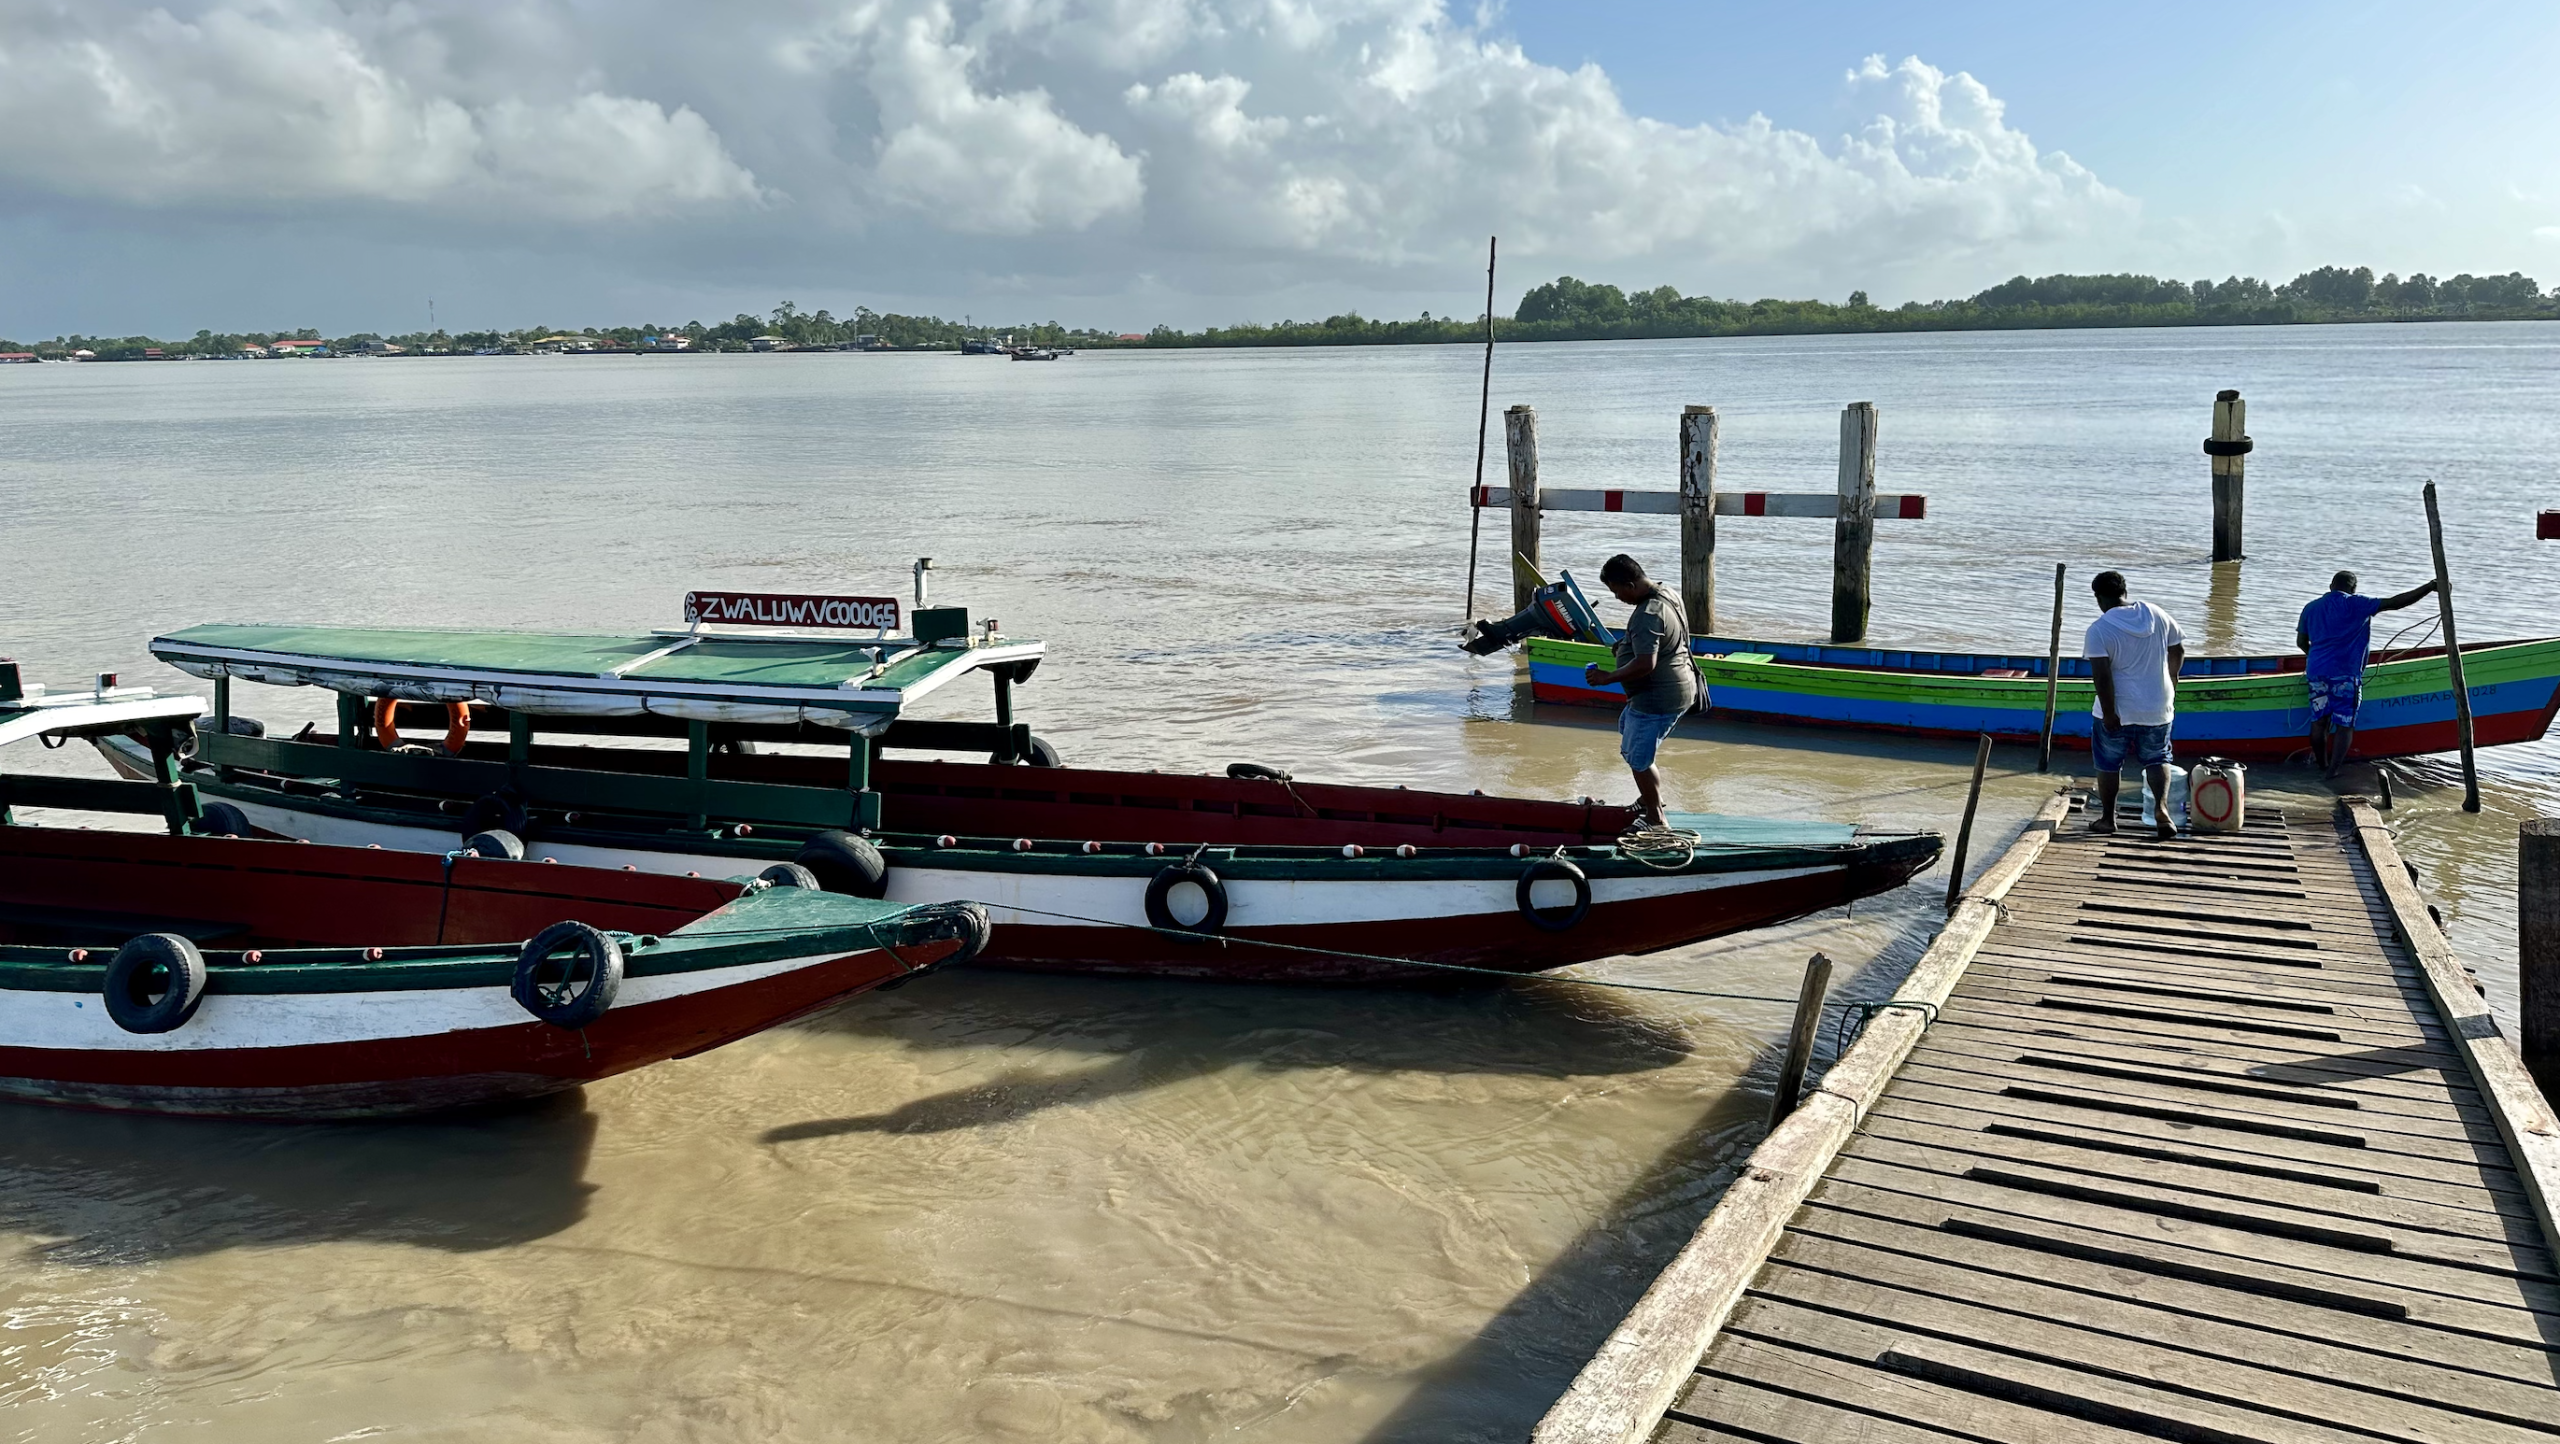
column 788, row 609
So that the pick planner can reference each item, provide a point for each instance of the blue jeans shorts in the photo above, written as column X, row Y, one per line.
column 2108, row 746
column 1640, row 734
column 2333, row 699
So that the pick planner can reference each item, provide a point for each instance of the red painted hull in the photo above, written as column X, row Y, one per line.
column 400, row 1076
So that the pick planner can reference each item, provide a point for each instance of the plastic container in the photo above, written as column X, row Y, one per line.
column 2217, row 795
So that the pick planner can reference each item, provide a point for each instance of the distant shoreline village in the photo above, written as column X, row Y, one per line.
column 1564, row 309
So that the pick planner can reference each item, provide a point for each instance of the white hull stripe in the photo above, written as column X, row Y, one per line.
column 1017, row 899
column 296, row 1020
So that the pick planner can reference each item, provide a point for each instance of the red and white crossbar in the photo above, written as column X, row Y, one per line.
column 1824, row 505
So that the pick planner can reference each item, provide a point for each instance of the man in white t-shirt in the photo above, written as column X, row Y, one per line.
column 2135, row 652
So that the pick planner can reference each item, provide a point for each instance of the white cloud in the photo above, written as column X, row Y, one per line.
column 1211, row 146
column 266, row 104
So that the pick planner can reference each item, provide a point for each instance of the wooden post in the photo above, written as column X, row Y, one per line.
column 1520, row 440
column 2228, row 446
column 1964, row 834
column 2538, row 949
column 1853, row 535
column 2453, row 657
column 2052, row 676
column 1698, row 518
column 1817, row 982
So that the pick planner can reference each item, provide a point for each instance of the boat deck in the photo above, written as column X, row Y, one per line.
column 2210, row 1140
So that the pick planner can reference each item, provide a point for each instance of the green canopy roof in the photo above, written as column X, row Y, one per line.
column 699, row 676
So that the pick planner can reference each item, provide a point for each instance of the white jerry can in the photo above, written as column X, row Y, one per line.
column 2217, row 795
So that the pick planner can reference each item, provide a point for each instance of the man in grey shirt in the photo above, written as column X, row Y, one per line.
column 1653, row 665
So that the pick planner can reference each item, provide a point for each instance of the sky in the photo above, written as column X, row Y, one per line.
column 268, row 164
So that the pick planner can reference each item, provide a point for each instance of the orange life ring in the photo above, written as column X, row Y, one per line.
column 386, row 724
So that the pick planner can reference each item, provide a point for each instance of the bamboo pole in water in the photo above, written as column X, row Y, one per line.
column 1484, row 409
column 2453, row 657
column 2052, row 676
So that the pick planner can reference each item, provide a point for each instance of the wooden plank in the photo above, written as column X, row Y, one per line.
column 2368, row 1082
column 1963, row 1258
column 2149, row 1187
column 1622, row 1391
column 2208, row 1077
column 2457, row 1208
column 1750, row 1411
column 2347, row 1270
column 2525, row 1119
column 1848, row 1395
column 2238, row 1366
column 2036, row 1112
column 2119, row 1400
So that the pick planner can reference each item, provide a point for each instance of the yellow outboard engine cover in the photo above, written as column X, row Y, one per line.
column 2217, row 795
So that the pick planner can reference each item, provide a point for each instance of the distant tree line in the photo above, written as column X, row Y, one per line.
column 1564, row 309
column 1567, row 309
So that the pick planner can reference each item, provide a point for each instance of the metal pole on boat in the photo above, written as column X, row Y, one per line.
column 2052, row 676
column 1817, row 982
column 1484, row 411
column 2453, row 656
column 1964, row 833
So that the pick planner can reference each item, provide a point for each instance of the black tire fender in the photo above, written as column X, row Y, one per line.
column 1256, row 772
column 844, row 863
column 1160, row 891
column 497, row 842
column 1552, row 869
column 154, row 983
column 1040, row 755
column 789, row 874
column 221, row 819
column 500, row 811
column 568, row 974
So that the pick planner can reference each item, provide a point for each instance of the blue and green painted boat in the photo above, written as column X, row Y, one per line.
column 2248, row 708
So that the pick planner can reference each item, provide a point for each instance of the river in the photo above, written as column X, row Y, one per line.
column 993, row 1207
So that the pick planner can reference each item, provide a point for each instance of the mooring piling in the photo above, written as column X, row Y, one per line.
column 1964, row 833
column 1520, row 443
column 2052, row 676
column 1853, row 534
column 1698, row 517
column 2229, row 446
column 1800, row 1036
column 2453, row 656
column 2538, row 949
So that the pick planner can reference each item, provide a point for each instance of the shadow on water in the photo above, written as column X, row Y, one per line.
column 112, row 1189
column 1156, row 1033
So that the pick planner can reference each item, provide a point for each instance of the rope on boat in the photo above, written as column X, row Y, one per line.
column 2425, row 627
column 1649, row 842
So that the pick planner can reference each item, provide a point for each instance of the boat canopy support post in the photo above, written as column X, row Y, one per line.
column 1520, row 442
column 1853, row 534
column 519, row 738
column 1698, row 517
column 184, row 808
column 2229, row 447
column 2453, row 657
column 351, row 720
column 697, row 770
column 866, row 803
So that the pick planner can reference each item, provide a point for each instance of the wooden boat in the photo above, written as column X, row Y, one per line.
column 2249, row 708
column 219, row 975
column 1251, row 875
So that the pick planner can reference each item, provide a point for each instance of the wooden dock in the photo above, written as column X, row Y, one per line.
column 2207, row 1140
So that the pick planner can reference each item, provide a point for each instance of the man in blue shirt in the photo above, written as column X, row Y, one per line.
column 2335, row 635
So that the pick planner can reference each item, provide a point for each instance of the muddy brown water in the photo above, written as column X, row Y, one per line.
column 993, row 1206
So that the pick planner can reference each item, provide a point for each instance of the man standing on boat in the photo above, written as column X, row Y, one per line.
column 2135, row 651
column 2335, row 635
column 1653, row 665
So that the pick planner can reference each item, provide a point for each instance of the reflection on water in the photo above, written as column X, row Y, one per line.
column 994, row 1207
